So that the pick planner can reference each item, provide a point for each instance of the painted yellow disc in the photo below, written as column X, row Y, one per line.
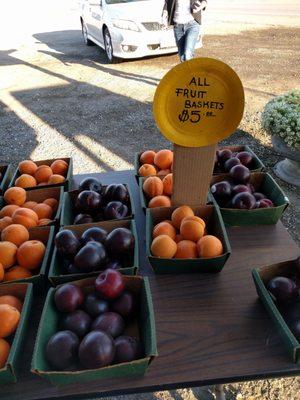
column 199, row 102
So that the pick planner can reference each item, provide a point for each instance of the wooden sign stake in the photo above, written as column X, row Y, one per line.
column 192, row 171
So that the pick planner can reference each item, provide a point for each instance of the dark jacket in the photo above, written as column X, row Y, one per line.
column 170, row 7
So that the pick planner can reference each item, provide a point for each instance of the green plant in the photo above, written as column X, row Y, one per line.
column 281, row 117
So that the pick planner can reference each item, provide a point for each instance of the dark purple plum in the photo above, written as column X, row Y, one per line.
column 116, row 192
column 125, row 305
column 78, row 322
column 109, row 322
column 61, row 350
column 90, row 184
column 221, row 190
column 83, row 219
column 68, row 297
column 231, row 162
column 88, row 201
column 67, row 243
column 259, row 196
column 96, row 350
column 224, row 155
column 240, row 189
column 95, row 306
column 113, row 264
column 115, row 210
column 243, row 201
column 110, row 284
column 94, row 234
column 265, row 203
column 128, row 348
column 71, row 269
column 240, row 174
column 295, row 328
column 283, row 289
column 245, row 158
column 119, row 241
column 90, row 257
column 251, row 187
column 291, row 312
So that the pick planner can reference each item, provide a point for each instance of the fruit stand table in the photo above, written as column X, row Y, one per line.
column 211, row 328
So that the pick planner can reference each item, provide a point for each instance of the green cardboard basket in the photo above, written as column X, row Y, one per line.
column 262, row 181
column 145, row 329
column 6, row 171
column 68, row 215
column 56, row 275
column 66, row 184
column 215, row 226
column 45, row 234
column 9, row 373
column 261, row 276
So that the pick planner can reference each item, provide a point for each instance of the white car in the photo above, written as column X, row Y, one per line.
column 126, row 28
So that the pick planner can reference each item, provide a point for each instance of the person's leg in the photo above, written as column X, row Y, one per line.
column 192, row 30
column 180, row 40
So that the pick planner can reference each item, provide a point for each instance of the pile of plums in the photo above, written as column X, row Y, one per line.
column 96, row 202
column 91, row 326
column 225, row 159
column 285, row 292
column 95, row 250
column 237, row 192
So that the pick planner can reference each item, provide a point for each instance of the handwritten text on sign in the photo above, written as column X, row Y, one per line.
column 195, row 104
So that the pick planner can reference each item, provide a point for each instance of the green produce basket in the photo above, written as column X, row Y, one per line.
column 9, row 373
column 45, row 234
column 56, row 273
column 68, row 215
column 66, row 184
column 144, row 329
column 6, row 171
column 263, row 182
column 215, row 226
column 261, row 277
column 256, row 164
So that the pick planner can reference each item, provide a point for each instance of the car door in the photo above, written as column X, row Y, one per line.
column 96, row 19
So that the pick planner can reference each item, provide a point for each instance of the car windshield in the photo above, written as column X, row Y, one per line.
column 121, row 1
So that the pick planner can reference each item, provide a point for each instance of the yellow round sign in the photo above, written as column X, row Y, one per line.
column 199, row 102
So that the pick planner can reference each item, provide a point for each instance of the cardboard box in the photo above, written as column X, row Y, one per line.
column 215, row 225
column 144, row 329
column 261, row 277
column 45, row 234
column 8, row 374
column 256, row 164
column 68, row 215
column 56, row 274
column 6, row 171
column 66, row 184
column 259, row 216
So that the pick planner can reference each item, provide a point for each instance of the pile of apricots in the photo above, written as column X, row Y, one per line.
column 156, row 163
column 184, row 236
column 10, row 312
column 32, row 175
column 158, row 190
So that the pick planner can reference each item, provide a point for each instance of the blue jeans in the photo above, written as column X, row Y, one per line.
column 186, row 36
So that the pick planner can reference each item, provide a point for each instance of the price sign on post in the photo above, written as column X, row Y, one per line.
column 197, row 104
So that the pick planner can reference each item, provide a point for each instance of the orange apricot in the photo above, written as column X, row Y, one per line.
column 4, row 352
column 25, row 181
column 168, row 184
column 163, row 246
column 164, row 228
column 43, row 173
column 30, row 254
column 44, row 221
column 1, row 272
column 186, row 249
column 147, row 157
column 147, row 170
column 160, row 201
column 178, row 238
column 8, row 254
column 9, row 317
column 4, row 222
column 59, row 167
column 7, row 211
column 15, row 233
column 15, row 195
column 209, row 246
column 12, row 301
column 163, row 172
column 27, row 167
column 153, row 186
column 15, row 273
column 191, row 230
column 163, row 159
column 195, row 218
column 29, row 204
column 55, row 179
column 43, row 211
column 53, row 203
column 25, row 217
column 179, row 213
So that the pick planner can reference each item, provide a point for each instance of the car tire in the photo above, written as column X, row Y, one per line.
column 84, row 31
column 109, row 47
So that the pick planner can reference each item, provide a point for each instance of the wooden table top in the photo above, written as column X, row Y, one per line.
column 210, row 328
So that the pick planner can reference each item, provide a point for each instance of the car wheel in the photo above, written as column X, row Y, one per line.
column 84, row 30
column 109, row 48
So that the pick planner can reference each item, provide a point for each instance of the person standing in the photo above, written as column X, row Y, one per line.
column 185, row 15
